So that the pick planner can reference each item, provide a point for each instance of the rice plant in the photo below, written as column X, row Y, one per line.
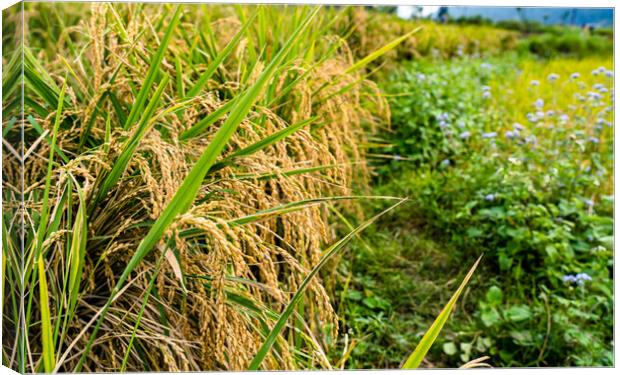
column 172, row 201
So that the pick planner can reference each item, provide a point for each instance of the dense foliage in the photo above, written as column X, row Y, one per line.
column 512, row 157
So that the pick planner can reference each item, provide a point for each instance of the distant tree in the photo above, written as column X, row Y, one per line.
column 521, row 14
column 442, row 14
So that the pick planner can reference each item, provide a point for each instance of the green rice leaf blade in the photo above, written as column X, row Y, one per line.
column 414, row 360
column 216, row 63
column 47, row 340
column 290, row 308
column 381, row 51
column 207, row 120
column 273, row 138
column 130, row 146
column 153, row 70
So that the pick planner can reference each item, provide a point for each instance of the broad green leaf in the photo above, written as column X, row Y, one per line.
column 449, row 348
column 518, row 313
column 494, row 295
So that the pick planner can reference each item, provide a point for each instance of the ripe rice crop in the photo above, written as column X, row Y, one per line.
column 181, row 161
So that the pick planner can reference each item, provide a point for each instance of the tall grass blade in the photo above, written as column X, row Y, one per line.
column 132, row 143
column 147, row 293
column 207, row 120
column 290, row 308
column 294, row 206
column 216, row 63
column 430, row 336
column 381, row 51
column 273, row 138
column 77, row 252
column 287, row 173
column 153, row 70
column 46, row 323
column 46, row 319
column 284, row 209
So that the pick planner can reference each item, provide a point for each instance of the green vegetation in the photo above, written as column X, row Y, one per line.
column 512, row 156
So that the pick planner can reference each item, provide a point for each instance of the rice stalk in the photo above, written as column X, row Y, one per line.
column 201, row 129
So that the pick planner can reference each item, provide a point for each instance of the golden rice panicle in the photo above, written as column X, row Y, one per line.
column 220, row 287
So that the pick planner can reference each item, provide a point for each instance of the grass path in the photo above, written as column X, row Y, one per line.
column 395, row 284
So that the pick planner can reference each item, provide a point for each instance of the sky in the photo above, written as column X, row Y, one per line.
column 405, row 11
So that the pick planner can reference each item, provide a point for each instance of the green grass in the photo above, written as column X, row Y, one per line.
column 393, row 286
column 524, row 200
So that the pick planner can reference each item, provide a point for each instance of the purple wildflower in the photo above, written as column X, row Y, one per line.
column 539, row 103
